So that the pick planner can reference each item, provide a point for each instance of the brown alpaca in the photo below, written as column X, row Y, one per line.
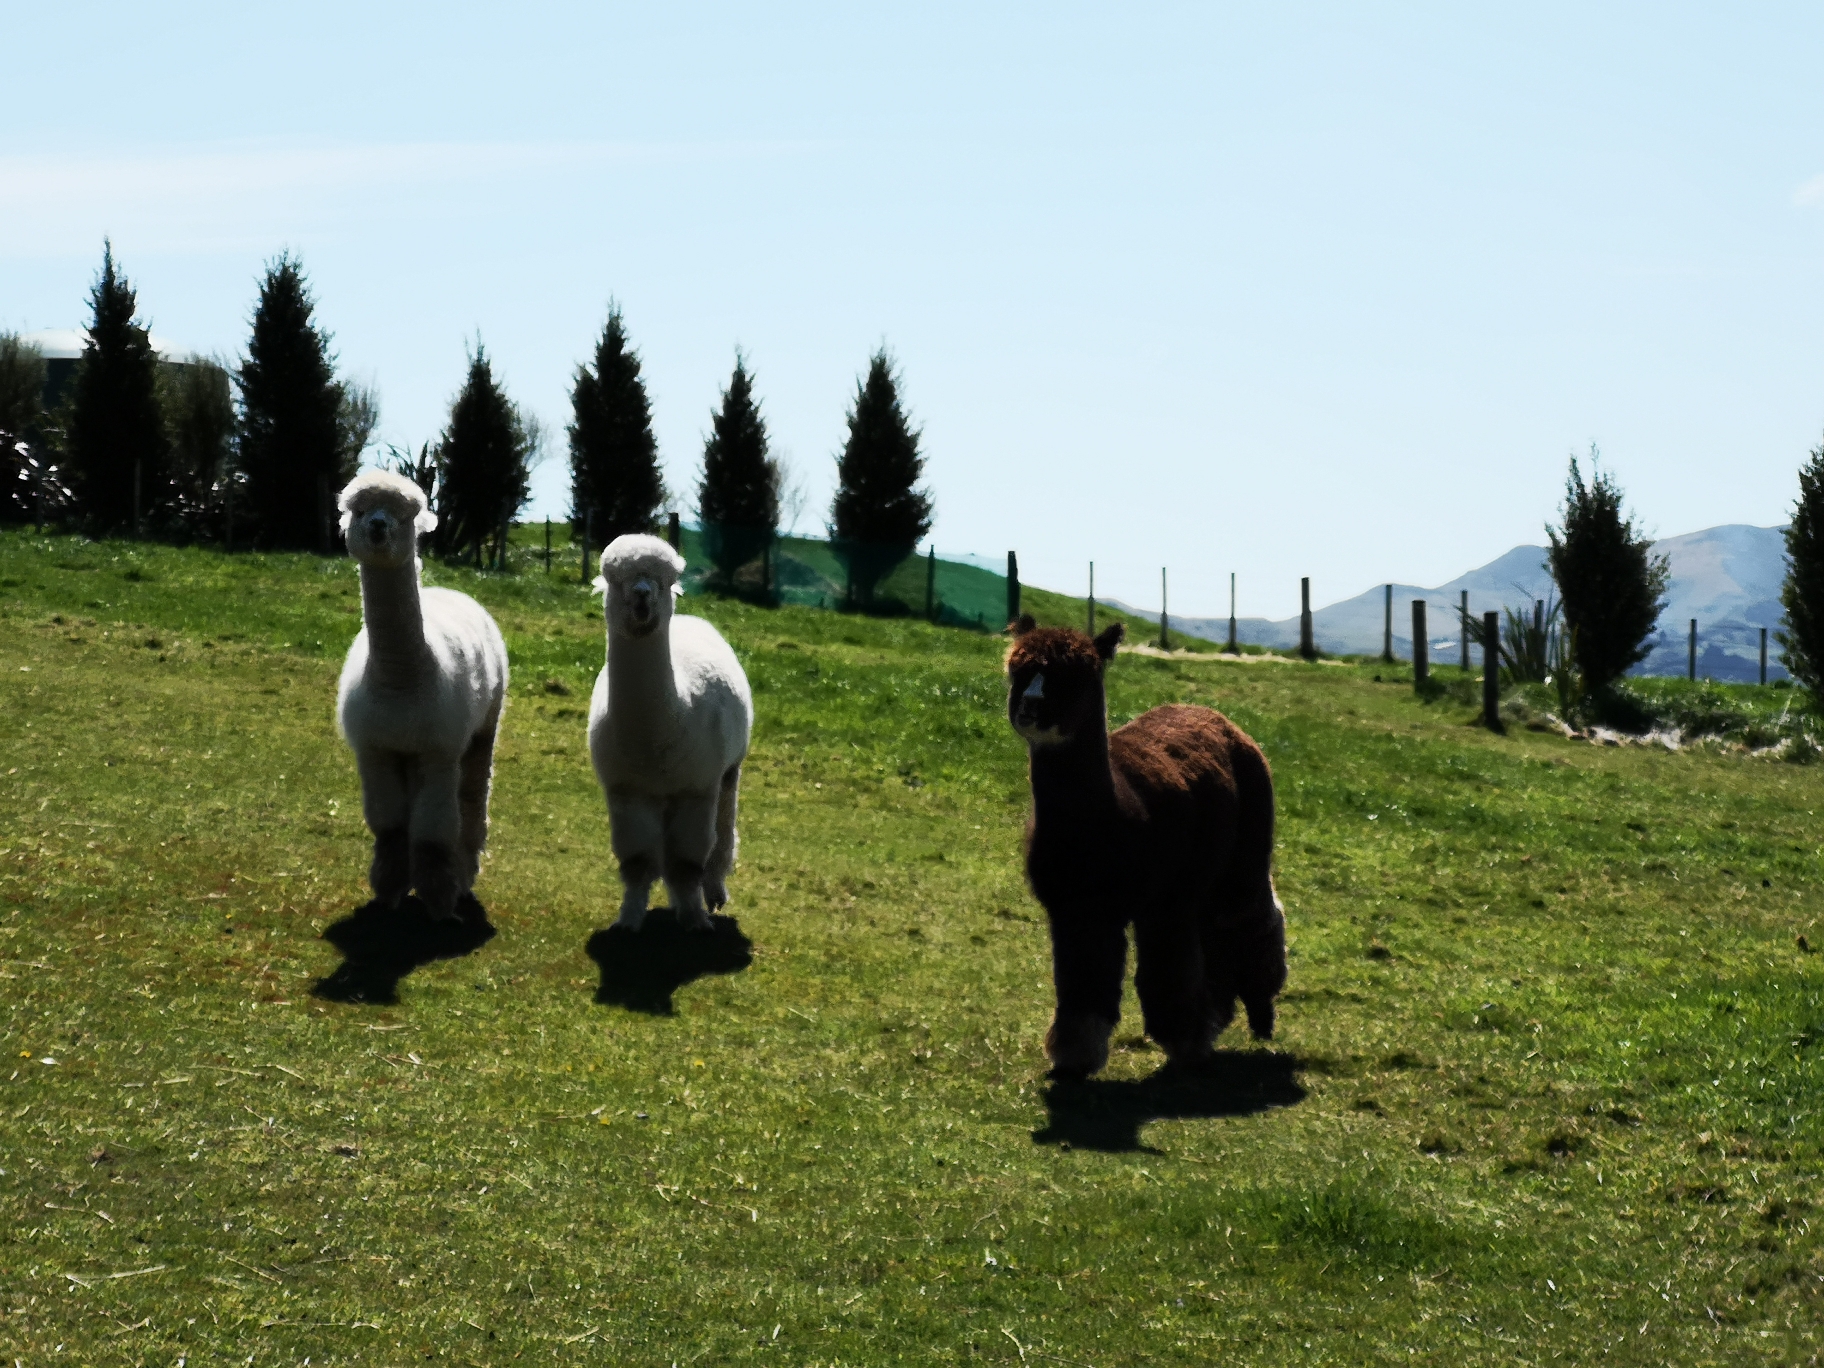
column 1167, row 824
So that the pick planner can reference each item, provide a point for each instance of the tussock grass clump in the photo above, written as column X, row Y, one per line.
column 1355, row 1219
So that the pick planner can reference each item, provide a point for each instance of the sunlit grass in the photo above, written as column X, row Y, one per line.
column 1546, row 1083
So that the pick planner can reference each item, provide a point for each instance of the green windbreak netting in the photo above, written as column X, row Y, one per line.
column 812, row 572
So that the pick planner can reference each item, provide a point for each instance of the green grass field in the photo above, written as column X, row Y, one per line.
column 1546, row 1087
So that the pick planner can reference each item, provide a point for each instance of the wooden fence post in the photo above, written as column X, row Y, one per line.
column 326, row 501
column 1763, row 655
column 1234, row 645
column 1092, row 598
column 1165, row 639
column 1691, row 657
column 1421, row 647
column 1463, row 629
column 1013, row 587
column 1307, row 647
column 674, row 532
column 1491, row 671
column 1387, row 629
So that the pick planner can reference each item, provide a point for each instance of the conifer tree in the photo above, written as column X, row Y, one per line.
column 1609, row 580
column 614, row 459
column 879, row 514
column 114, row 431
column 484, row 463
column 1802, row 594
column 292, row 450
column 738, row 497
column 21, row 427
column 357, row 415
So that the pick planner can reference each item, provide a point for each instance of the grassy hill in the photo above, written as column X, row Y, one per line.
column 1546, row 1087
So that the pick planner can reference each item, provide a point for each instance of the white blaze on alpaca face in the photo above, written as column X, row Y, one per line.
column 1026, row 715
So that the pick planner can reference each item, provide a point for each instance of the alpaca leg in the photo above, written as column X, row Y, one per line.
column 722, row 858
column 1088, row 960
column 1169, row 978
column 636, row 829
column 690, row 837
column 436, row 837
column 472, row 797
column 387, row 810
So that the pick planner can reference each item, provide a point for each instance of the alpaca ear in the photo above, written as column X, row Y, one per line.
column 426, row 521
column 599, row 585
column 1108, row 640
column 1021, row 625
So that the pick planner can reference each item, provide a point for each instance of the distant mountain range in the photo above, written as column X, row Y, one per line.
column 1728, row 578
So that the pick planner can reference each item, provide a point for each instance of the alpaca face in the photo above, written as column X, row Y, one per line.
column 1048, row 707
column 381, row 531
column 640, row 577
column 637, row 607
column 1054, row 682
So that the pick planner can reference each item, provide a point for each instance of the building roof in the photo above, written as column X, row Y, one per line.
column 66, row 344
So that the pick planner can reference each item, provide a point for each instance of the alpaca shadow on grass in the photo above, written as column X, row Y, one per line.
column 642, row 969
column 1107, row 1113
column 381, row 945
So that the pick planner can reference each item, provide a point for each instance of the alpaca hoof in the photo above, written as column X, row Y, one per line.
column 715, row 894
column 1077, row 1046
column 630, row 920
column 434, row 876
column 1186, row 1055
column 699, row 920
column 447, row 916
column 1260, row 1019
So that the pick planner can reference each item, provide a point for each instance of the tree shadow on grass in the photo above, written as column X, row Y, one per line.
column 381, row 945
column 642, row 969
column 1107, row 1113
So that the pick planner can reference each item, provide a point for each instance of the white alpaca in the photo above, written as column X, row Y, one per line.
column 668, row 729
column 419, row 703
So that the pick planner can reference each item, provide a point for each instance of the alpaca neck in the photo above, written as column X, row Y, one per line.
column 394, row 617
column 1072, row 780
column 640, row 667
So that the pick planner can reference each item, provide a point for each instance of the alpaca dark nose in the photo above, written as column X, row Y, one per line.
column 376, row 530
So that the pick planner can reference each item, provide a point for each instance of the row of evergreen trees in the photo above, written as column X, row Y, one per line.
column 141, row 446
column 254, row 455
column 877, row 518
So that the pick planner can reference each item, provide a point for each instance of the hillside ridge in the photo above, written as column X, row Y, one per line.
column 1727, row 577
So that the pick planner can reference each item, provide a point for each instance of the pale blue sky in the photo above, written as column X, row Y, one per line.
column 1286, row 290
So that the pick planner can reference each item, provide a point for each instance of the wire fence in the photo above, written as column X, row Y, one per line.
column 811, row 572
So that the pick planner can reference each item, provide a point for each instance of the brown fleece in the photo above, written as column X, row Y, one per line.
column 1166, row 824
